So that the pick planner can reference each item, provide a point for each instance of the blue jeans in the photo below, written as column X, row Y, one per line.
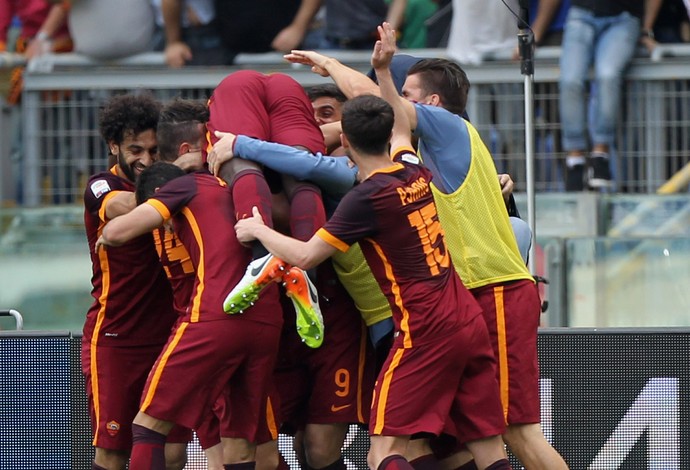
column 609, row 42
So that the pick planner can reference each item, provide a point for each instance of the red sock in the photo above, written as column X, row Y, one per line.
column 307, row 214
column 249, row 189
column 502, row 464
column 425, row 462
column 148, row 449
column 395, row 462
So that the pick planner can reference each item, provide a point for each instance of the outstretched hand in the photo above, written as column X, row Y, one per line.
column 384, row 49
column 316, row 61
column 244, row 228
column 222, row 151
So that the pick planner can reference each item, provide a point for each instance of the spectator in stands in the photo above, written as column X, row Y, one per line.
column 409, row 17
column 43, row 28
column 547, row 20
column 104, row 29
column 672, row 24
column 187, row 31
column 603, row 33
column 348, row 25
column 480, row 28
column 251, row 26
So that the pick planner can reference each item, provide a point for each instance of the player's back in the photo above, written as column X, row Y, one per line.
column 478, row 228
column 469, row 200
column 203, row 214
column 403, row 242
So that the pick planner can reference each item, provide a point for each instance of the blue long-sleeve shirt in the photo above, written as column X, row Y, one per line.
column 334, row 175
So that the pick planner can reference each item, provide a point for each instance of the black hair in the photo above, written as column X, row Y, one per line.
column 367, row 123
column 181, row 120
column 446, row 79
column 329, row 90
column 129, row 114
column 155, row 177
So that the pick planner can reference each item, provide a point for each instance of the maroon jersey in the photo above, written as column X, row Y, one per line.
column 393, row 216
column 132, row 297
column 201, row 208
column 177, row 265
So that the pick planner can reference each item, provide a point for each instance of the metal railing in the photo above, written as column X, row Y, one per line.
column 60, row 146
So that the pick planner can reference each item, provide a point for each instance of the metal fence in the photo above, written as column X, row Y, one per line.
column 57, row 144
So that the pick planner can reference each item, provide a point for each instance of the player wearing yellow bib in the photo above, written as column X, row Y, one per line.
column 480, row 239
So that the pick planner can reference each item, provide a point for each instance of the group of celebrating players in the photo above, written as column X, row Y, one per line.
column 413, row 310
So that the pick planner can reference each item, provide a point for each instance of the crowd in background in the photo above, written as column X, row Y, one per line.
column 214, row 32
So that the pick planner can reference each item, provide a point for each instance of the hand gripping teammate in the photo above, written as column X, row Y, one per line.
column 392, row 214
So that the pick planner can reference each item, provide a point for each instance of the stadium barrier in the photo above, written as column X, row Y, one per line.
column 61, row 146
column 611, row 399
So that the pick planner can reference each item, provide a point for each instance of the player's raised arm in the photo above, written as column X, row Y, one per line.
column 381, row 59
column 350, row 81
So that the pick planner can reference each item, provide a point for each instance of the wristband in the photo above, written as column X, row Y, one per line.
column 647, row 33
column 42, row 36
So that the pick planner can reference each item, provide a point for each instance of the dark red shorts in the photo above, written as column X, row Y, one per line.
column 115, row 379
column 203, row 358
column 271, row 107
column 268, row 422
column 446, row 383
column 512, row 312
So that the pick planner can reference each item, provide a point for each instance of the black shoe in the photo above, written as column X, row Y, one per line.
column 599, row 172
column 575, row 178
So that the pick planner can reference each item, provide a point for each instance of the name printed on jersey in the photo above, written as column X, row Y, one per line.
column 99, row 188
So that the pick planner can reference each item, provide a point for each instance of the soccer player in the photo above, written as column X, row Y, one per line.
column 271, row 107
column 181, row 133
column 480, row 238
column 321, row 391
column 209, row 349
column 327, row 101
column 442, row 349
column 132, row 312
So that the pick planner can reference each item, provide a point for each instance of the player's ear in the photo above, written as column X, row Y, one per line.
column 114, row 148
column 184, row 148
column 433, row 99
column 343, row 141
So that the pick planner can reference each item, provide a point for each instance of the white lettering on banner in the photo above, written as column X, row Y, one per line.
column 546, row 394
column 654, row 415
column 656, row 411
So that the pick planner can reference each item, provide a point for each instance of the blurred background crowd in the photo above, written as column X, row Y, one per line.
column 603, row 36
column 213, row 32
